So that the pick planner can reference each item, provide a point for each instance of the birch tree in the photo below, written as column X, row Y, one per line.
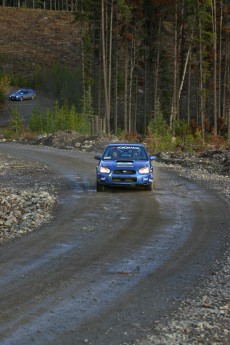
column 214, row 41
column 104, row 63
column 175, row 73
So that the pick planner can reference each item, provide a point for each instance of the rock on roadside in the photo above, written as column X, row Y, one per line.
column 23, row 211
column 28, row 198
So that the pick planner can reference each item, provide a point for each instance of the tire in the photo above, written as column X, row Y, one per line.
column 149, row 187
column 100, row 187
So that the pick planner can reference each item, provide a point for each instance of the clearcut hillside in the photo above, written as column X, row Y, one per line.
column 31, row 38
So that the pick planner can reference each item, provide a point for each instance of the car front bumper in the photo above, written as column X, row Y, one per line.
column 124, row 180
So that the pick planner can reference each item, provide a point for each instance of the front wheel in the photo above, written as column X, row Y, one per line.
column 100, row 187
column 149, row 187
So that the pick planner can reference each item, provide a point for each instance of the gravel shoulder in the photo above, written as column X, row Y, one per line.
column 28, row 196
column 29, row 193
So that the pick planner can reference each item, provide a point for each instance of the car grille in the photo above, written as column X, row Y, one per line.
column 124, row 176
column 125, row 172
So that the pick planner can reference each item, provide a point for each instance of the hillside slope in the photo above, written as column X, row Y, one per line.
column 31, row 38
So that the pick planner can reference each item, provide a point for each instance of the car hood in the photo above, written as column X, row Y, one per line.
column 17, row 94
column 125, row 164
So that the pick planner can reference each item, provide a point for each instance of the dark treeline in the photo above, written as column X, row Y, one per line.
column 145, row 59
column 56, row 5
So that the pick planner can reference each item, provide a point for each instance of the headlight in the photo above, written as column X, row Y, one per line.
column 104, row 170
column 144, row 170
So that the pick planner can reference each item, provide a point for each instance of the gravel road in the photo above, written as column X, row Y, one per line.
column 204, row 319
column 28, row 203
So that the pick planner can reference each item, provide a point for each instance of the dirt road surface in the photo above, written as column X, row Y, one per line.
column 111, row 263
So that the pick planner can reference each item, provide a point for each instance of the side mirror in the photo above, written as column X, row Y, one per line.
column 152, row 158
column 98, row 157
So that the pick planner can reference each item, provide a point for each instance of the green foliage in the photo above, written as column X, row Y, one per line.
column 87, row 111
column 48, row 121
column 158, row 126
column 61, row 118
column 9, row 134
column 16, row 124
column 120, row 133
column 125, row 9
column 159, row 131
column 87, row 42
column 86, row 108
column 19, row 80
column 4, row 86
column 182, row 129
column 71, row 118
column 160, row 138
column 36, row 122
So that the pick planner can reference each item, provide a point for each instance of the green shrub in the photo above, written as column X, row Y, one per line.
column 36, row 122
column 16, row 123
column 4, row 86
column 159, row 136
column 61, row 118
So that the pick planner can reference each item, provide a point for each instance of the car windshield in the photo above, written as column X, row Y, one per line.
column 125, row 152
column 20, row 92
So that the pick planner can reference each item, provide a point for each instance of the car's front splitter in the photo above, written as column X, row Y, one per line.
column 110, row 180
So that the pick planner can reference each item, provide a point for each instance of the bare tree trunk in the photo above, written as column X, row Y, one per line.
column 229, row 122
column 157, row 67
column 107, row 59
column 227, row 86
column 110, row 66
column 104, row 63
column 189, row 90
column 132, row 65
column 175, row 78
column 83, row 68
column 145, row 91
column 226, row 79
column 115, row 88
column 202, row 97
column 220, row 60
column 201, row 81
column 184, row 72
column 135, row 108
column 83, row 73
column 126, row 89
column 213, row 5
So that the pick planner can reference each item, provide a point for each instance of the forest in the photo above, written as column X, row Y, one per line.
column 153, row 67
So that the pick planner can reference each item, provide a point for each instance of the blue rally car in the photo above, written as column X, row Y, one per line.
column 124, row 165
column 22, row 94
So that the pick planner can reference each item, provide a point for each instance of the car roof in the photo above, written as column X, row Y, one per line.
column 125, row 144
column 24, row 89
